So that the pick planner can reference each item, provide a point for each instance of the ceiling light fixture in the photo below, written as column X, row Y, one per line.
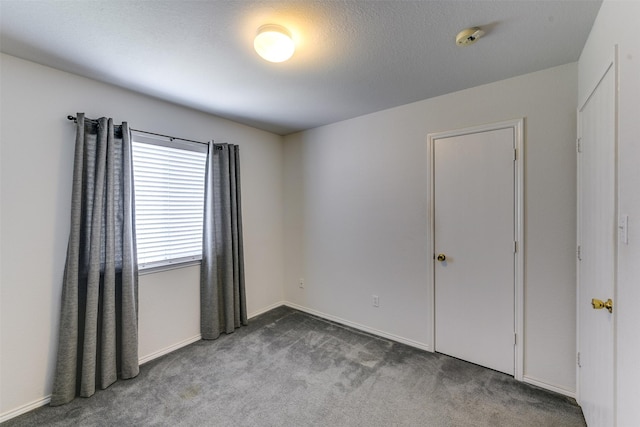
column 469, row 36
column 274, row 43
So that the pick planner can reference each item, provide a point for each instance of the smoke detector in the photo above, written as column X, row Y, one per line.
column 469, row 36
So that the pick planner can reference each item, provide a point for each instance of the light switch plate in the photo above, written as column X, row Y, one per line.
column 623, row 229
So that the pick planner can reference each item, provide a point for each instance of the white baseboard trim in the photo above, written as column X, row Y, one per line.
column 416, row 344
column 373, row 331
column 45, row 400
column 548, row 386
column 149, row 357
column 265, row 309
column 169, row 349
column 25, row 408
column 198, row 337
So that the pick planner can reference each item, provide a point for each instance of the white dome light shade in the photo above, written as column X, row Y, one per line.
column 274, row 43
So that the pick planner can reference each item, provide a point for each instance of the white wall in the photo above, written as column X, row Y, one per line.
column 616, row 24
column 356, row 215
column 37, row 143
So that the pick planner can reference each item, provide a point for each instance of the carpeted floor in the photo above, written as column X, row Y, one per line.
column 288, row 368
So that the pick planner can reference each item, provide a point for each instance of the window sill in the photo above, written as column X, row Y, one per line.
column 166, row 267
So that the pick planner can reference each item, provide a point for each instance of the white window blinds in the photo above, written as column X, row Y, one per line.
column 169, row 196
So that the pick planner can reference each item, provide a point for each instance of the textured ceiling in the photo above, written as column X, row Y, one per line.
column 353, row 57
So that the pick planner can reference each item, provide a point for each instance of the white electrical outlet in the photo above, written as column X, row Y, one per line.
column 376, row 301
column 301, row 283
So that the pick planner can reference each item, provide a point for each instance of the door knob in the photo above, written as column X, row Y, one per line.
column 441, row 257
column 599, row 304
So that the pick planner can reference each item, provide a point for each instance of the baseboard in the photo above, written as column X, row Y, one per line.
column 265, row 309
column 169, row 349
column 25, row 408
column 45, row 400
column 416, row 344
column 198, row 337
column 548, row 386
column 360, row 327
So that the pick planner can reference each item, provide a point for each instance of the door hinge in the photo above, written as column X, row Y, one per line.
column 515, row 247
column 579, row 253
column 515, row 339
column 578, row 360
column 579, row 145
column 515, row 154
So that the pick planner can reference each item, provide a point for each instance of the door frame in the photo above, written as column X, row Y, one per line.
column 518, row 132
column 611, row 63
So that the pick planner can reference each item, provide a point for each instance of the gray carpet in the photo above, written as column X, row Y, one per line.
column 288, row 368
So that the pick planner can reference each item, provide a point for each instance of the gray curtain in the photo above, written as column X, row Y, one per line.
column 222, row 296
column 98, row 339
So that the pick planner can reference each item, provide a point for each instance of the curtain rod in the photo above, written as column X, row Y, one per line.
column 75, row 120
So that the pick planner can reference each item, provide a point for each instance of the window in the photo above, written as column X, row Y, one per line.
column 169, row 198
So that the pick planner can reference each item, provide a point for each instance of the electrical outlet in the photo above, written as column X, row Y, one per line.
column 376, row 301
column 301, row 283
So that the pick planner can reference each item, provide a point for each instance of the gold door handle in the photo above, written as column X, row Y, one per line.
column 441, row 257
column 599, row 304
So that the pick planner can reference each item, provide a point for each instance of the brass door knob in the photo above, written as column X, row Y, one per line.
column 441, row 257
column 599, row 304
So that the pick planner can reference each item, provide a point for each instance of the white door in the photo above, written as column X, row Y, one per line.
column 597, row 251
column 474, row 229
